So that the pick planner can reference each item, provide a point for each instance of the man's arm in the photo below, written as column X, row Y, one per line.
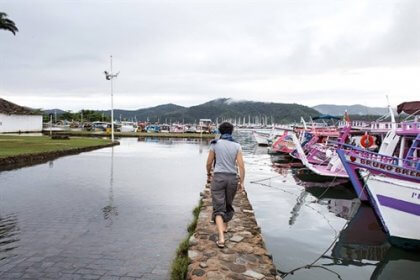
column 209, row 165
column 241, row 166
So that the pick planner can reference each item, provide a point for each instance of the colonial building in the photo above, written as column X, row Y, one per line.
column 15, row 118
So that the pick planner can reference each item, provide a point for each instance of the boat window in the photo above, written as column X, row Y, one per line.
column 408, row 143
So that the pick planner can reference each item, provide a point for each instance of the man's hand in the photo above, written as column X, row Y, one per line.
column 241, row 166
column 241, row 187
column 209, row 165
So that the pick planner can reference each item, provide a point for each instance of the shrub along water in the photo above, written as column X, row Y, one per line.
column 180, row 263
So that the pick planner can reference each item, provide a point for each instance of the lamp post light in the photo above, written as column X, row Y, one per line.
column 110, row 76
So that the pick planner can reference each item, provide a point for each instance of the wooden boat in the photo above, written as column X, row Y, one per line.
column 391, row 184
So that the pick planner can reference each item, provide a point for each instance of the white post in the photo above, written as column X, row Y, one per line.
column 112, row 106
column 51, row 117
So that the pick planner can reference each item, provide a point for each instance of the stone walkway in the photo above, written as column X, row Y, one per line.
column 244, row 255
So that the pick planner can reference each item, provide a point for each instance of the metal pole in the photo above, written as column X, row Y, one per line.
column 51, row 116
column 112, row 106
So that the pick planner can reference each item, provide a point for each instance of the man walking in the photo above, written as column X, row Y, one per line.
column 226, row 156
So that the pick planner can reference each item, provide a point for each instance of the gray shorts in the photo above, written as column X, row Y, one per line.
column 223, row 190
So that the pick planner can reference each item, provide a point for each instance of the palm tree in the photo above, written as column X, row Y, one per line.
column 7, row 24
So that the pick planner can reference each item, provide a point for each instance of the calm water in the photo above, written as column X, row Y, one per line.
column 304, row 220
column 122, row 211
column 118, row 211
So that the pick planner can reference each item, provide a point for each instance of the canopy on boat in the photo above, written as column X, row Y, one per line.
column 326, row 117
column 412, row 107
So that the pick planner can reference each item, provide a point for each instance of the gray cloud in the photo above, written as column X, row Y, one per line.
column 188, row 52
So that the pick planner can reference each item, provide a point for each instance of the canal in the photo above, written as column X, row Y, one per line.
column 122, row 211
column 112, row 212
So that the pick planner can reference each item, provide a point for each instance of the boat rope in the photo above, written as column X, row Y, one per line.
column 272, row 177
column 327, row 188
column 307, row 204
column 312, row 264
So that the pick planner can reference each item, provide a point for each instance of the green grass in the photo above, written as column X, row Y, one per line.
column 21, row 145
column 180, row 263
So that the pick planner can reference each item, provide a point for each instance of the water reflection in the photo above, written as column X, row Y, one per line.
column 361, row 240
column 300, row 200
column 318, row 229
column 9, row 234
column 397, row 264
column 99, row 210
column 311, row 179
column 110, row 210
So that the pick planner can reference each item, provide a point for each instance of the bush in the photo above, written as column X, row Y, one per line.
column 179, row 267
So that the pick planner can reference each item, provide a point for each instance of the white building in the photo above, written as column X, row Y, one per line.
column 15, row 118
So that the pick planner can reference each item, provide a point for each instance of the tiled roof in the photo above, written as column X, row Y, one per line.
column 9, row 108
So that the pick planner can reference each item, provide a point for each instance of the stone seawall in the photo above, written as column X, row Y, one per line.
column 13, row 162
column 244, row 255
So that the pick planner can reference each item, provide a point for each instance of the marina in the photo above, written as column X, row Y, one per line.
column 209, row 140
column 320, row 230
column 51, row 230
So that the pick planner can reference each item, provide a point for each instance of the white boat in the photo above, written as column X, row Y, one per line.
column 391, row 184
column 266, row 137
column 128, row 127
column 333, row 167
column 261, row 137
column 165, row 128
column 100, row 126
column 398, row 204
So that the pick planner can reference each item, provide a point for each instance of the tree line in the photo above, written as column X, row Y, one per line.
column 81, row 116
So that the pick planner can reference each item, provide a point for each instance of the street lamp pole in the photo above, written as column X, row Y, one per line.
column 112, row 104
column 110, row 77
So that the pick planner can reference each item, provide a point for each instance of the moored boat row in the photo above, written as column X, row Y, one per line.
column 204, row 126
column 381, row 160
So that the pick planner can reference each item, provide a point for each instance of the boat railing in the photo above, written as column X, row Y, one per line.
column 354, row 124
column 367, row 156
column 409, row 127
column 374, row 125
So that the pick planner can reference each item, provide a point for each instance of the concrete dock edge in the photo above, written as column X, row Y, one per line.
column 244, row 255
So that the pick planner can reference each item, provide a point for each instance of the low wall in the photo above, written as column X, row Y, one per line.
column 244, row 255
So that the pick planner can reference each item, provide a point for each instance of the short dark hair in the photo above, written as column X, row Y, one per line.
column 226, row 128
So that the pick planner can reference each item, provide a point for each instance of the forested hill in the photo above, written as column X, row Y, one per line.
column 222, row 108
column 227, row 108
column 152, row 114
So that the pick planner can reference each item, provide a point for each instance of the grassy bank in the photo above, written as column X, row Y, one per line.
column 179, row 266
column 11, row 146
column 132, row 134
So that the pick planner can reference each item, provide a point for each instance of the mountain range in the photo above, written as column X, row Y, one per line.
column 218, row 109
column 223, row 108
column 227, row 108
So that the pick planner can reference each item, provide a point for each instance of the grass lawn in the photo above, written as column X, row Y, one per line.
column 20, row 145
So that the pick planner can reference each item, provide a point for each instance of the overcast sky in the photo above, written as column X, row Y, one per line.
column 189, row 52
